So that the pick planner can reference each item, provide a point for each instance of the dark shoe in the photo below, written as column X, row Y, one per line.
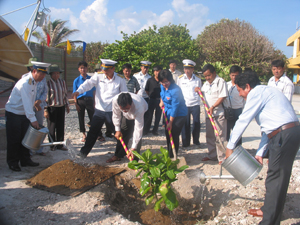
column 81, row 155
column 15, row 168
column 112, row 159
column 62, row 148
column 109, row 135
column 155, row 133
column 255, row 212
column 185, row 146
column 197, row 143
column 29, row 163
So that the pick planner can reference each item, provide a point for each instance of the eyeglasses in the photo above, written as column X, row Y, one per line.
column 165, row 83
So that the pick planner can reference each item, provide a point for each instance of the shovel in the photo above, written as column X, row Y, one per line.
column 125, row 148
column 182, row 161
column 219, row 142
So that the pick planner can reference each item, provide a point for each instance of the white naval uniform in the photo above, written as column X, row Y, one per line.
column 142, row 79
column 284, row 84
column 106, row 89
column 137, row 110
column 22, row 98
column 187, row 86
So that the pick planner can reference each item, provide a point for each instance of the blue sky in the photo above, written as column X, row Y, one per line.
column 102, row 20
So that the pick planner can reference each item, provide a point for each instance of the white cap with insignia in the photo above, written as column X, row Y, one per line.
column 187, row 63
column 146, row 63
column 40, row 66
column 107, row 64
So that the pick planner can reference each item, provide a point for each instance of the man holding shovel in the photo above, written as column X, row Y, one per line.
column 215, row 92
column 280, row 136
column 128, row 118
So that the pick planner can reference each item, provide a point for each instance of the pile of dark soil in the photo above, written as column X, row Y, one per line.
column 69, row 178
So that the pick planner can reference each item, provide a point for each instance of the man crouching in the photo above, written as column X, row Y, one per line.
column 128, row 119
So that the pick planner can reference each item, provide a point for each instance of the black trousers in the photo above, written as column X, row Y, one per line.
column 153, row 104
column 186, row 130
column 97, row 122
column 56, row 123
column 283, row 148
column 85, row 103
column 231, row 123
column 127, row 128
column 176, row 129
column 16, row 127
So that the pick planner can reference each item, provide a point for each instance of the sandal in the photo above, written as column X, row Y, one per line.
column 101, row 138
column 112, row 159
column 83, row 139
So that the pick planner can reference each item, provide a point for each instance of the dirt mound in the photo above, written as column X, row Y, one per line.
column 69, row 178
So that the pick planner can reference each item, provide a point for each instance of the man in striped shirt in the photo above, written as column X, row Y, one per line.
column 280, row 80
column 57, row 104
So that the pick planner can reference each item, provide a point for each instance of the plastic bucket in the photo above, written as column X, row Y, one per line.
column 242, row 166
column 34, row 138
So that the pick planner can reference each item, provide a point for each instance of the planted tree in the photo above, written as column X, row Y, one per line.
column 235, row 42
column 155, row 45
column 159, row 172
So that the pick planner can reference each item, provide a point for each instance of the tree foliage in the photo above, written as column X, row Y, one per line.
column 58, row 33
column 92, row 52
column 155, row 45
column 235, row 42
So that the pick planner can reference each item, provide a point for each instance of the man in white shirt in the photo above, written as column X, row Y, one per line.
column 108, row 84
column 234, row 100
column 187, row 82
column 280, row 80
column 215, row 92
column 142, row 78
column 19, row 115
column 128, row 118
column 280, row 135
column 175, row 73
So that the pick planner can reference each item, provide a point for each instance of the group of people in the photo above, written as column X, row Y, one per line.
column 126, row 104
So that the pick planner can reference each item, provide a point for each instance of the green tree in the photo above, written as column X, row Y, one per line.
column 155, row 45
column 58, row 33
column 92, row 52
column 235, row 42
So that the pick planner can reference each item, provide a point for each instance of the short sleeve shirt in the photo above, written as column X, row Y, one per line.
column 212, row 92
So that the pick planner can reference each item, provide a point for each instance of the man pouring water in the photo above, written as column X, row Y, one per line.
column 280, row 136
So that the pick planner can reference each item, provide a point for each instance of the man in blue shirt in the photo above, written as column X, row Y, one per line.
column 280, row 137
column 84, row 101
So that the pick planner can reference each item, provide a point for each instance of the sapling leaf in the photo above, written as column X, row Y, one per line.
column 157, row 204
column 135, row 153
column 170, row 199
column 145, row 181
column 144, row 191
column 149, row 199
column 155, row 172
column 171, row 174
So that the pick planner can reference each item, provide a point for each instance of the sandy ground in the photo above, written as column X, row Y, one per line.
column 218, row 202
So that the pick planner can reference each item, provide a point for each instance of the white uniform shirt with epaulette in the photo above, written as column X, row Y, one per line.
column 106, row 89
column 22, row 98
column 188, row 89
column 142, row 79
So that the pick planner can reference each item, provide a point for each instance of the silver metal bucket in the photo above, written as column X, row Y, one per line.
column 34, row 138
column 242, row 166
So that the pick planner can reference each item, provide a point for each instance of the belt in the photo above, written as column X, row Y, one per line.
column 85, row 98
column 283, row 127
